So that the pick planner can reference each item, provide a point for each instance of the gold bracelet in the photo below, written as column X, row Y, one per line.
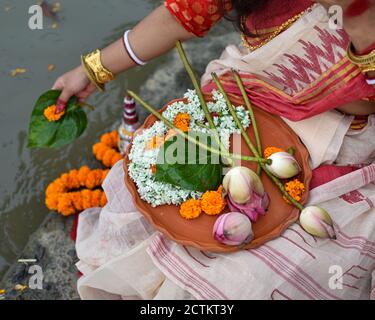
column 365, row 62
column 95, row 70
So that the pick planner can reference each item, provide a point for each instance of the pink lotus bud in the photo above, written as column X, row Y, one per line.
column 284, row 165
column 233, row 229
column 316, row 221
column 241, row 183
column 257, row 206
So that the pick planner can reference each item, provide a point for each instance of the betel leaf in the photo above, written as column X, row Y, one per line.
column 45, row 134
column 182, row 163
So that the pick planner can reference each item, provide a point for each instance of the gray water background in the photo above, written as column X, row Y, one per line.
column 82, row 26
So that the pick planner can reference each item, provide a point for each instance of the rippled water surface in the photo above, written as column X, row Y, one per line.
column 82, row 26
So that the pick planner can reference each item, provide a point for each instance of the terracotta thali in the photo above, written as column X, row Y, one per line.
column 198, row 233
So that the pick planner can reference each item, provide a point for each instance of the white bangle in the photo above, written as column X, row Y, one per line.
column 371, row 82
column 130, row 50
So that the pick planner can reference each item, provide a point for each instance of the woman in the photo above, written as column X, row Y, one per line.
column 295, row 66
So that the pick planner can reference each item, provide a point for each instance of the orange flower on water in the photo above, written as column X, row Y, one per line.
column 295, row 188
column 182, row 122
column 191, row 209
column 51, row 115
column 212, row 202
column 270, row 151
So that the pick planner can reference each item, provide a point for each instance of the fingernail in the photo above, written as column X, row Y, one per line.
column 60, row 106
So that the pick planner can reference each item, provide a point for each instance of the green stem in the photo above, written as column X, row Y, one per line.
column 234, row 115
column 251, row 146
column 251, row 111
column 170, row 125
column 199, row 92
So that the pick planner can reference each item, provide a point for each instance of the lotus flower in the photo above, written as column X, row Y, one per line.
column 316, row 221
column 233, row 229
column 245, row 192
column 284, row 165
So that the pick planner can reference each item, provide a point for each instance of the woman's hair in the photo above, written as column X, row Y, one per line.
column 241, row 9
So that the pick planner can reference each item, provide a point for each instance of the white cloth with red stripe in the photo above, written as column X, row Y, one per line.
column 123, row 257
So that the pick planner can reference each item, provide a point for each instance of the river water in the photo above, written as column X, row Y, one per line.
column 82, row 26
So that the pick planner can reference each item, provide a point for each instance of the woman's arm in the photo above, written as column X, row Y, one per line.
column 153, row 36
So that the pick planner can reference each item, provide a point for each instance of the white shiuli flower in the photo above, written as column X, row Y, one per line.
column 158, row 193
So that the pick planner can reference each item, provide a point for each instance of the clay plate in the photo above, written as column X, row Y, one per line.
column 198, row 233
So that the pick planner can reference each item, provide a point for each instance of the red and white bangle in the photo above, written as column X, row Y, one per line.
column 130, row 50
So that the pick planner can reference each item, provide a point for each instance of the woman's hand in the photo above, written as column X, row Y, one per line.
column 74, row 82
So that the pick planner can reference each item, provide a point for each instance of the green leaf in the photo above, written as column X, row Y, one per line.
column 182, row 163
column 45, row 134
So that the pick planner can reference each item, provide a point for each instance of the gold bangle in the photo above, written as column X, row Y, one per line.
column 90, row 74
column 95, row 69
column 365, row 62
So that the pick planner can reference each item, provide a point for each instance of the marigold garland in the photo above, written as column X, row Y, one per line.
column 295, row 188
column 270, row 151
column 60, row 196
column 213, row 202
column 51, row 115
column 191, row 209
column 106, row 150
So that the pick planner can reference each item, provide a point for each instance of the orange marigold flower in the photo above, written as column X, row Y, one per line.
column 99, row 149
column 65, row 205
column 52, row 201
column 191, row 209
column 51, row 115
column 73, row 181
column 270, row 151
column 295, row 188
column 86, row 198
column 116, row 158
column 155, row 142
column 82, row 174
column 55, row 187
column 212, row 202
column 110, row 139
column 107, row 158
column 95, row 198
column 103, row 200
column 77, row 200
column 94, row 179
column 182, row 121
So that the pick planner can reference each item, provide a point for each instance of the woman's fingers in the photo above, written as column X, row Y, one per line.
column 83, row 95
column 62, row 100
column 74, row 82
